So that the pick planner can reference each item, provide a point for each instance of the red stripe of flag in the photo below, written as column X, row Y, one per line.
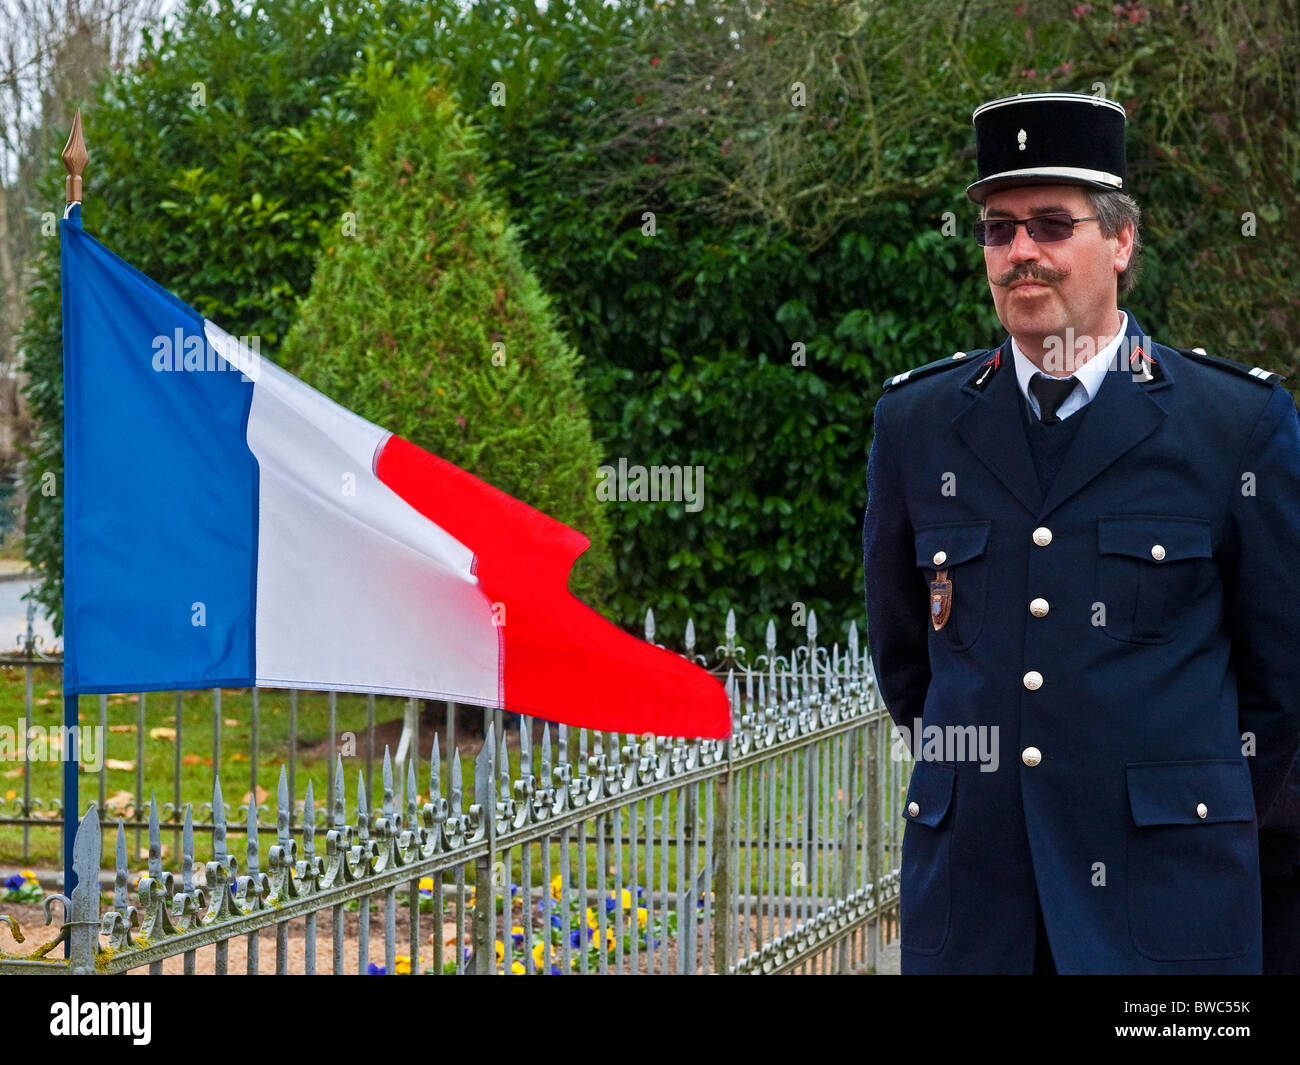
column 561, row 660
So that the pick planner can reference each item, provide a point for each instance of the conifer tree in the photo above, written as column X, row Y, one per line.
column 423, row 319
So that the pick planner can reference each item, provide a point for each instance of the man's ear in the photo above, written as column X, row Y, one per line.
column 1124, row 247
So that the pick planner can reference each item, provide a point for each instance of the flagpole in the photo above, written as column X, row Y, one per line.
column 74, row 162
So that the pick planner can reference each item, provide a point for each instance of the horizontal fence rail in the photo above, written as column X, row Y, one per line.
column 774, row 850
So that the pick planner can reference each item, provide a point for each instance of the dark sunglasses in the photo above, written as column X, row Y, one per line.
column 1043, row 229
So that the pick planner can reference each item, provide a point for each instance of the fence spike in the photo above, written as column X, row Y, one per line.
column 410, row 795
column 252, row 837
column 282, row 809
column 388, row 785
column 812, row 626
column 119, row 878
column 525, row 745
column 690, row 635
column 769, row 637
column 155, row 839
column 218, row 823
column 340, row 795
column 503, row 766
column 363, row 807
column 483, row 771
column 187, row 850
column 457, row 797
column 309, row 824
column 83, row 933
column 649, row 625
column 435, row 770
column 546, row 754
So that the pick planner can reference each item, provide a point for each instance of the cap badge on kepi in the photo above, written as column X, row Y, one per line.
column 1021, row 137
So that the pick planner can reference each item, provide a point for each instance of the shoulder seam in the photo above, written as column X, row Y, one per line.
column 960, row 358
column 1255, row 373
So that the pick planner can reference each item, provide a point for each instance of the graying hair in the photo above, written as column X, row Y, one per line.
column 1115, row 210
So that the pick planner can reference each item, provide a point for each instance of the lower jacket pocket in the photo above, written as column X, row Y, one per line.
column 1193, row 880
column 925, row 907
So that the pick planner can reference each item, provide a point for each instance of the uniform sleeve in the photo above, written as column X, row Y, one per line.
column 1279, row 839
column 896, row 592
column 1262, row 603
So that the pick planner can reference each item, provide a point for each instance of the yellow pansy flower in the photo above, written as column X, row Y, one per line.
column 403, row 966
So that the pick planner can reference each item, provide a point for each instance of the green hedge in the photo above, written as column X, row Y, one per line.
column 823, row 226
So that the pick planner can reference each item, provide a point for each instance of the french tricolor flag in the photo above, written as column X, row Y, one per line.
column 226, row 525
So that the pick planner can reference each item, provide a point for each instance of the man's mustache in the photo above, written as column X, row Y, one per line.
column 1026, row 272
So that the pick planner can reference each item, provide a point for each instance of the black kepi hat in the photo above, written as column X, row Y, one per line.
column 1049, row 138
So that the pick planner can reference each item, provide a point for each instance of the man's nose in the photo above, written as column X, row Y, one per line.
column 1023, row 247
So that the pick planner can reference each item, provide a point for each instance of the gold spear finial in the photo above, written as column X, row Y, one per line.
column 75, row 159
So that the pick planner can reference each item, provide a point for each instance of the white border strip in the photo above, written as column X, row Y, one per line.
column 1058, row 171
column 1050, row 97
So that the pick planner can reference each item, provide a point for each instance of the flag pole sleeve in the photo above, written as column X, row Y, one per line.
column 74, row 158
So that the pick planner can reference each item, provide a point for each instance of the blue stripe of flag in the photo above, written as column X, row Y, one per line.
column 160, row 526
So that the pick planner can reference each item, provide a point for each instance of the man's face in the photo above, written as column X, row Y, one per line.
column 1043, row 290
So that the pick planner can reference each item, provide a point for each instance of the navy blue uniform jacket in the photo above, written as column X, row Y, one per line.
column 1136, row 830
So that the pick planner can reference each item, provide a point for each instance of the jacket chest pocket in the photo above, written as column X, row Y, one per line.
column 1148, row 567
column 961, row 549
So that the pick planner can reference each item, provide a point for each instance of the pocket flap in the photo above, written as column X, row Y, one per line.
column 931, row 790
column 1170, row 793
column 959, row 543
column 1137, row 534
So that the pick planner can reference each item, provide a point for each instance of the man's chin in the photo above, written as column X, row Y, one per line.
column 1034, row 323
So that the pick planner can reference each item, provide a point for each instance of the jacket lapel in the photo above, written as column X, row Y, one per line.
column 990, row 426
column 1120, row 416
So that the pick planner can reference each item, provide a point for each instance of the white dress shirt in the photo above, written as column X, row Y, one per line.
column 1090, row 374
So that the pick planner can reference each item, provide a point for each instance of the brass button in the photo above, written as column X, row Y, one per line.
column 913, row 809
column 1038, row 607
column 1042, row 536
column 940, row 557
column 1033, row 680
column 1157, row 552
column 1201, row 810
column 1031, row 756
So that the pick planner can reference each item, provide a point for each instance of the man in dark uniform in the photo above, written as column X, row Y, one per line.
column 1080, row 553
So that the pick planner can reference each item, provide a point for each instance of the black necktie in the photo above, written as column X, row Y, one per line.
column 1051, row 393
